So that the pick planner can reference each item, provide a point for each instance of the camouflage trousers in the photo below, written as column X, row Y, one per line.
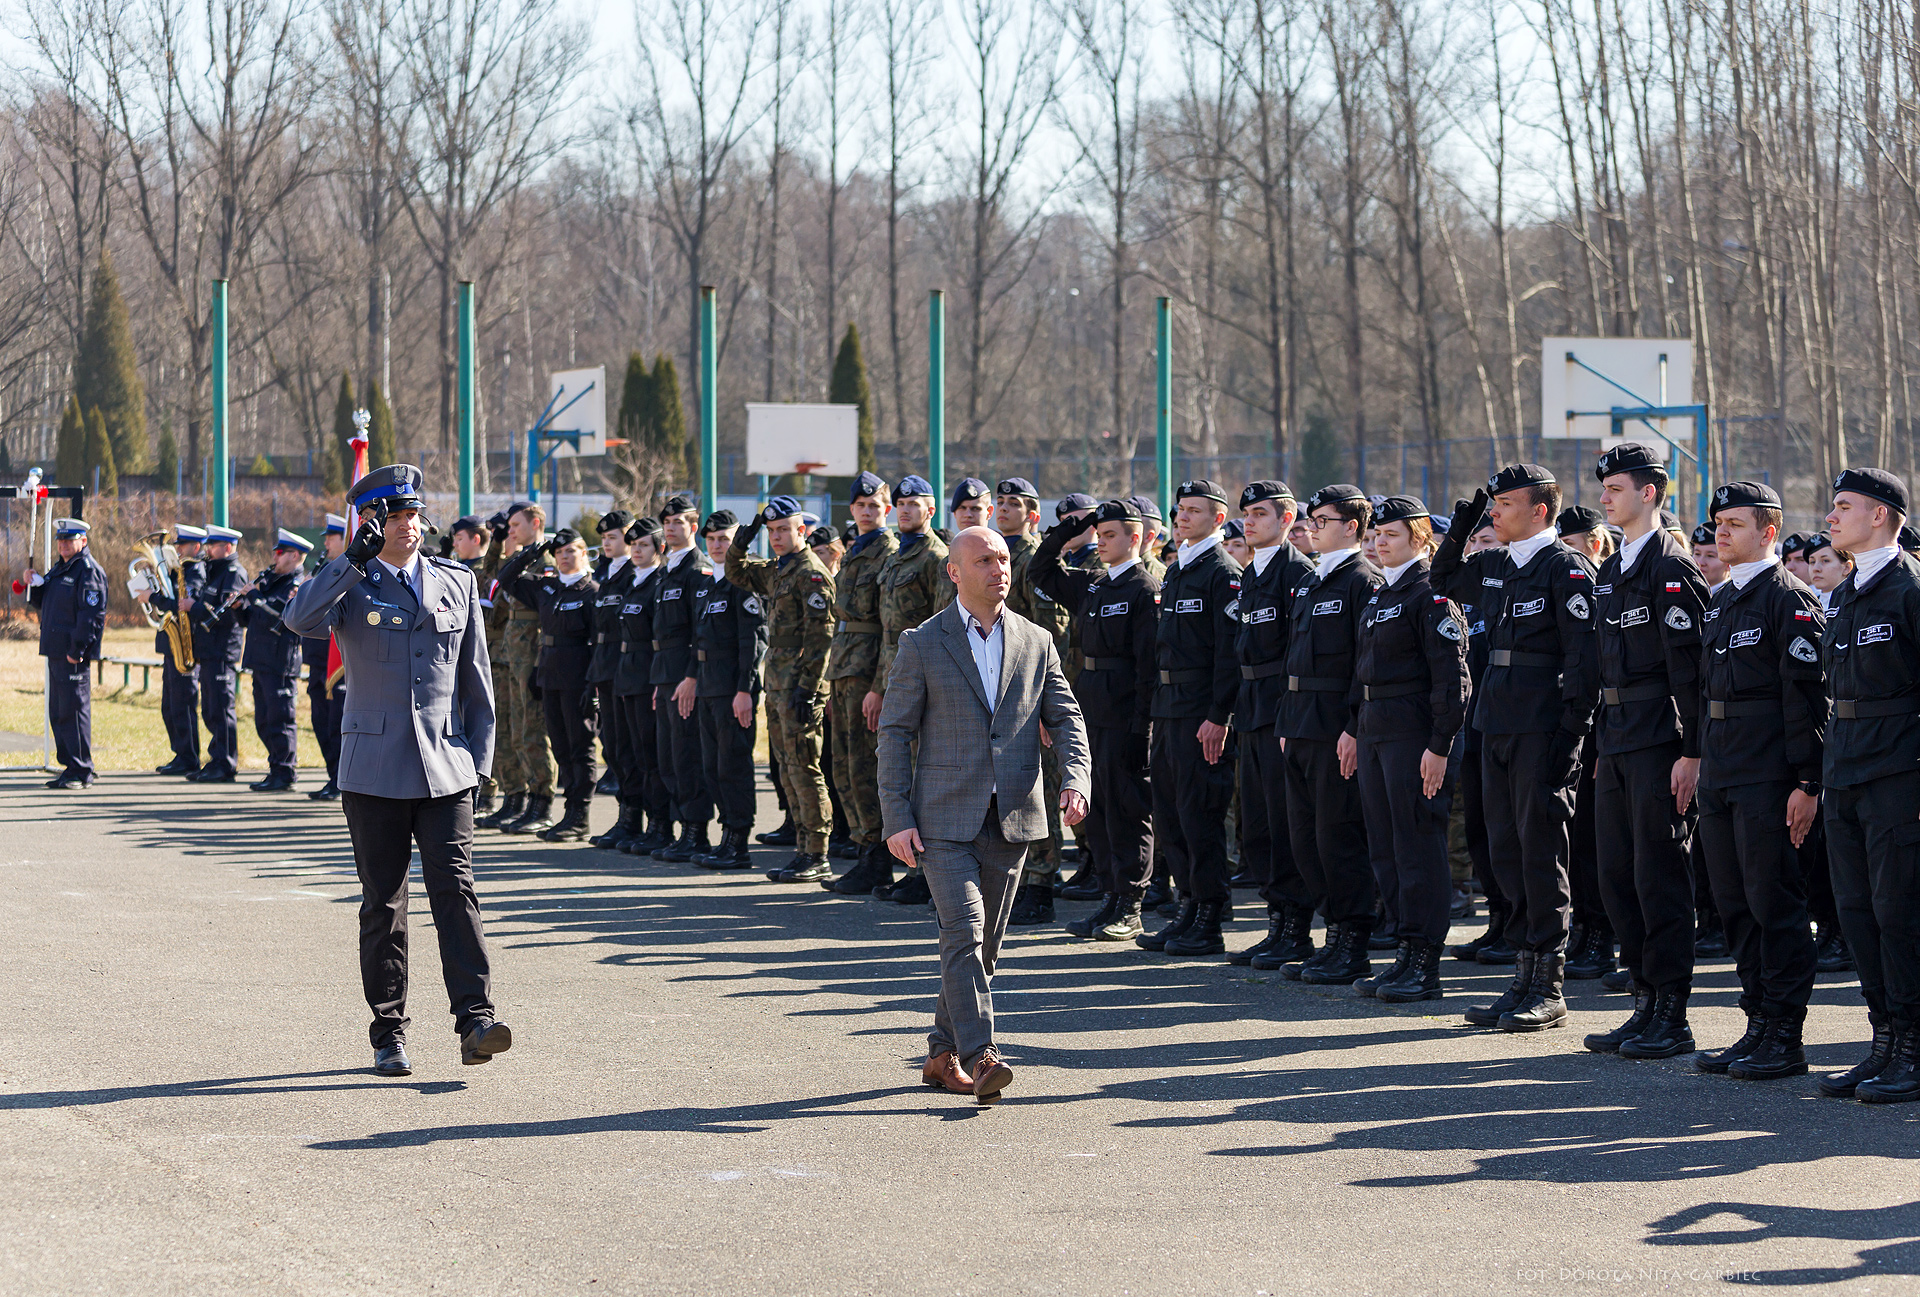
column 856, row 764
column 793, row 737
column 521, row 761
column 1043, row 858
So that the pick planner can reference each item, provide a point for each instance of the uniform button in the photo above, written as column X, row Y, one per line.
column 419, row 652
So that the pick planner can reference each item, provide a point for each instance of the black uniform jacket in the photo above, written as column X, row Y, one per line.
column 1322, row 641
column 1117, row 617
column 1199, row 615
column 1873, row 676
column 216, row 627
column 566, row 624
column 634, row 675
column 1647, row 627
column 272, row 650
column 1763, row 706
column 730, row 641
column 1266, row 618
column 674, row 604
column 72, row 599
column 1410, row 673
column 607, row 602
column 1542, row 667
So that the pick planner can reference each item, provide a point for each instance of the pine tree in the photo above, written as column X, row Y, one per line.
column 166, row 465
column 636, row 398
column 848, row 386
column 100, row 456
column 70, row 446
column 1322, row 458
column 106, row 373
column 340, row 463
column 380, row 449
column 667, row 428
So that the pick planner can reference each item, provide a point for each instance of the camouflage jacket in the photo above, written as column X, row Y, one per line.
column 856, row 638
column 913, row 587
column 796, row 593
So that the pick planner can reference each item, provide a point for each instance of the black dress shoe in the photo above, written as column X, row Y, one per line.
column 1031, row 905
column 784, row 836
column 911, row 890
column 391, row 1060
column 805, row 868
column 272, row 784
column 65, row 782
column 209, row 775
column 177, row 766
column 1083, row 886
column 483, row 1040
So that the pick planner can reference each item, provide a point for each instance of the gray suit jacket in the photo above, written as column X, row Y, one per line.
column 419, row 717
column 970, row 746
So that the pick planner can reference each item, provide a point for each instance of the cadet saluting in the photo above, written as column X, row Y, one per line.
column 412, row 750
column 72, row 599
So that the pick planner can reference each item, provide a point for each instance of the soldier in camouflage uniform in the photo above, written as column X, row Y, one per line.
column 797, row 594
column 1016, row 516
column 913, row 587
column 520, row 746
column 850, row 667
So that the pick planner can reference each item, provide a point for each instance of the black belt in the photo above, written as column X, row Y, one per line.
column 1106, row 664
column 624, row 647
column 1374, row 693
column 1632, row 694
column 1720, row 711
column 1185, row 677
column 1262, row 671
column 700, row 655
column 680, row 641
column 1851, row 709
column 784, row 641
column 602, row 637
column 861, row 627
column 553, row 641
column 1317, row 685
column 517, row 614
column 1508, row 658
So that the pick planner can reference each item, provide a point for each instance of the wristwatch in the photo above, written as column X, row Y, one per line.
column 1811, row 787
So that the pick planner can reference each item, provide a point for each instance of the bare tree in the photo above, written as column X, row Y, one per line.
column 908, row 32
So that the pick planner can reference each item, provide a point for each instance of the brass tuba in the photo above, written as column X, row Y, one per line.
column 156, row 569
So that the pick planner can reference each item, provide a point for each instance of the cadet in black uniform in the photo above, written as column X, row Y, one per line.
column 179, row 685
column 1589, row 930
column 1490, row 947
column 1872, row 763
column 1761, row 737
column 1534, row 709
column 1650, row 604
column 613, row 574
column 677, row 737
column 730, row 643
column 272, row 656
column 1410, row 674
column 1267, row 584
column 324, row 701
column 217, row 642
column 565, row 599
column 1319, row 718
column 72, row 599
column 1199, row 682
column 641, row 786
column 1117, row 614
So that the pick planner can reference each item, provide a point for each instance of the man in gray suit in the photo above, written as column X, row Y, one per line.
column 974, row 687
column 415, row 740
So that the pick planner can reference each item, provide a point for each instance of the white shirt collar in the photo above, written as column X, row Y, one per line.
column 1325, row 563
column 1262, row 557
column 674, row 557
column 571, row 579
column 1826, row 600
column 1393, row 573
column 1191, row 549
column 1714, row 589
column 410, row 573
column 1630, row 551
column 1114, row 570
column 1522, row 552
column 1868, row 562
column 973, row 623
column 615, row 564
column 1741, row 573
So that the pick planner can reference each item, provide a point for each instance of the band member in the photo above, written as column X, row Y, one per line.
column 179, row 685
column 72, row 599
column 272, row 654
column 217, row 643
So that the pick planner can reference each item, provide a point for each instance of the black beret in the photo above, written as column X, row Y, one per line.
column 719, row 520
column 1703, row 534
column 1792, row 543
column 1073, row 503
column 518, row 506
column 1875, row 484
column 1266, row 489
column 1817, row 542
column 1626, row 457
column 968, row 488
column 822, row 535
column 613, row 520
column 1515, row 476
column 678, row 503
column 1149, row 508
column 1337, row 491
column 1116, row 511
column 644, row 527
column 1202, row 488
column 1234, row 530
column 1578, row 520
column 1670, row 521
column 1744, row 495
column 1909, row 537
column 865, row 484
column 565, row 537
column 1017, row 486
column 468, row 523
column 1397, row 508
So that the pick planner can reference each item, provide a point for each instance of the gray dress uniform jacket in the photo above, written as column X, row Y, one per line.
column 971, row 748
column 419, row 722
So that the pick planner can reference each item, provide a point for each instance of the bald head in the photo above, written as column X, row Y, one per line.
column 982, row 570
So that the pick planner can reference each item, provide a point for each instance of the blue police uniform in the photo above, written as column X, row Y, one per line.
column 72, row 599
column 217, row 644
column 325, row 700
column 180, row 685
column 272, row 654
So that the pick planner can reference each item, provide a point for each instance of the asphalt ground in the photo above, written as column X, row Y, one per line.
column 714, row 1088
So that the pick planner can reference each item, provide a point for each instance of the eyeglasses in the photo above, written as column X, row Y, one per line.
column 1317, row 522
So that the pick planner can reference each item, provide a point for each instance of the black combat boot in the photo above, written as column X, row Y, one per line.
column 1830, row 954
column 1033, row 904
column 1488, row 1015
column 875, row 868
column 1899, row 1080
column 1125, row 923
column 1594, row 959
column 1202, row 936
column 1667, row 1034
column 784, row 836
column 618, row 832
column 512, row 806
column 730, row 854
column 1347, row 959
column 1295, row 944
column 572, row 826
column 805, row 867
column 1469, row 952
column 1276, row 924
column 537, row 818
column 1421, row 981
column 694, row 842
column 1370, row 985
column 609, row 785
column 1180, row 923
column 1720, row 1060
column 1620, row 979
column 1779, row 1053
column 1609, row 1042
column 1844, row 1085
column 1710, row 936
column 1545, row 1003
column 1085, row 885
column 911, row 890
column 657, row 834
column 1159, row 895
column 681, row 848
column 483, row 802
column 1294, row 972
column 1099, row 919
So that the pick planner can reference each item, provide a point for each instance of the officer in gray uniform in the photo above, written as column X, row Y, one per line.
column 413, row 748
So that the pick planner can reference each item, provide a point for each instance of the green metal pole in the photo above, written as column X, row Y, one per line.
column 218, row 478
column 709, row 438
column 466, row 397
column 937, row 402
column 1163, row 403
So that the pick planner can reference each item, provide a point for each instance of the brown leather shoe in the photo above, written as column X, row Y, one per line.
column 943, row 1072
column 991, row 1075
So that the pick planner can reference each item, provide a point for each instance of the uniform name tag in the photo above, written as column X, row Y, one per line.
column 1875, row 634
column 671, row 592
column 630, row 609
column 1745, row 638
column 718, row 605
column 1603, row 589
column 1186, row 605
column 1711, row 614
column 569, row 607
column 1387, row 614
column 1326, row 608
column 1113, row 610
column 1261, row 616
column 1530, row 607
column 1493, row 581
column 1634, row 617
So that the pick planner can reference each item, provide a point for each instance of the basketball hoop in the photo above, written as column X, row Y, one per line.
column 808, row 467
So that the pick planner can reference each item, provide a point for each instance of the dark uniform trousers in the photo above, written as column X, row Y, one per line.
column 1527, row 837
column 1759, row 885
column 1813, row 866
column 677, row 743
column 70, row 714
column 640, row 777
column 276, row 719
column 616, row 741
column 571, row 735
column 1588, row 900
column 219, row 683
column 1329, row 832
column 1266, row 841
column 180, row 707
column 385, row 831
column 726, row 760
column 1473, row 811
column 1873, row 842
column 1190, row 800
column 1646, row 868
column 1409, row 830
column 1119, row 823
column 324, row 710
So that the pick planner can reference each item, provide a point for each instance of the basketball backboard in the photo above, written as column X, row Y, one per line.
column 579, row 406
column 1581, row 379
column 801, row 438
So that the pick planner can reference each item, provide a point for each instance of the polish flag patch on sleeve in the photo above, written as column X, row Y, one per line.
column 1578, row 574
column 1673, row 587
column 1803, row 614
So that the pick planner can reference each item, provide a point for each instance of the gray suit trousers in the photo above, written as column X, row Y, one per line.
column 973, row 885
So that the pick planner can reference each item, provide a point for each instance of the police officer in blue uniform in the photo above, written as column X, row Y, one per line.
column 324, row 702
column 179, row 685
column 272, row 654
column 72, row 599
column 217, row 644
